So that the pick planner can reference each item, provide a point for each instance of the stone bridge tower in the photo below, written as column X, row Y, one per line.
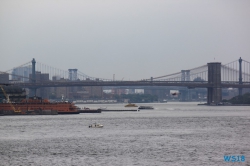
column 214, row 77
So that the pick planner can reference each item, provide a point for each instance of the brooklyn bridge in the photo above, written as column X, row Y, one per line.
column 213, row 76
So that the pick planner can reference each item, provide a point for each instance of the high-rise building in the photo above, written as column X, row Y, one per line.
column 42, row 77
column 22, row 73
column 72, row 74
column 4, row 78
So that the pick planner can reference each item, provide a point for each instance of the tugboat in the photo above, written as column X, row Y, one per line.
column 131, row 105
column 146, row 107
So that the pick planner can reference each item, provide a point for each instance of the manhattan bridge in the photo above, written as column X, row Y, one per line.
column 213, row 76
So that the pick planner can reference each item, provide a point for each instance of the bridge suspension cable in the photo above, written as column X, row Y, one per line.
column 196, row 68
column 78, row 75
column 84, row 76
column 230, row 71
column 1, row 72
column 7, row 71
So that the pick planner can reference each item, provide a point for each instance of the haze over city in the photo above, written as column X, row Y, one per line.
column 131, row 39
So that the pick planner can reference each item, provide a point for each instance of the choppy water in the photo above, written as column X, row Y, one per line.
column 172, row 134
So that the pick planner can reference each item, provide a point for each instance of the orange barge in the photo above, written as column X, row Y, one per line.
column 37, row 106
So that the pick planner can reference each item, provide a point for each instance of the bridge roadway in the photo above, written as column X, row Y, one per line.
column 189, row 84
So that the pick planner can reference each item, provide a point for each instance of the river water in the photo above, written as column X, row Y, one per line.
column 171, row 134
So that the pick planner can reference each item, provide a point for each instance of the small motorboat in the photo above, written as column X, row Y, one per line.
column 95, row 125
column 146, row 107
column 131, row 105
column 102, row 108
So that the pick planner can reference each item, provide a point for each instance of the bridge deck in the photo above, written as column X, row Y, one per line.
column 190, row 84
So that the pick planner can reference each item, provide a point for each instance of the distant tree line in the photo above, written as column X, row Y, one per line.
column 244, row 99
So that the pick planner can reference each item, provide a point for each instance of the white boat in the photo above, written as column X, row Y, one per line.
column 95, row 125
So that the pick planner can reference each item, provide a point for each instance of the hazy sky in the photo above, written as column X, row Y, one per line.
column 133, row 39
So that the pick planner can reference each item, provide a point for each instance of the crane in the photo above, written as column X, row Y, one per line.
column 8, row 100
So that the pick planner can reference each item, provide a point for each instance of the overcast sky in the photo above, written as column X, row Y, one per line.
column 133, row 39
